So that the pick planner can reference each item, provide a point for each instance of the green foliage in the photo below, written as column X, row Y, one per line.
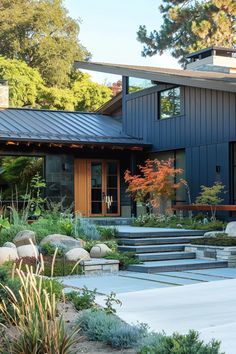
column 48, row 249
column 110, row 243
column 89, row 95
column 108, row 328
column 210, row 22
column 66, row 226
column 178, row 344
column 151, row 220
column 219, row 240
column 86, row 230
column 211, row 195
column 107, row 233
column 7, row 235
column 42, row 34
column 110, row 301
column 24, row 81
column 4, row 223
column 83, row 299
column 36, row 198
column 125, row 258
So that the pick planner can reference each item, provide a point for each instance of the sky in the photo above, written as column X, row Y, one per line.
column 108, row 30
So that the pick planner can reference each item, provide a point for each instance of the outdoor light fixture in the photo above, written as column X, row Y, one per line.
column 65, row 166
column 217, row 169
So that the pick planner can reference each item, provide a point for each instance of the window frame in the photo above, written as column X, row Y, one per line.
column 181, row 103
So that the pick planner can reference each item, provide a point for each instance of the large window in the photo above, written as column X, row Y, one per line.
column 170, row 103
column 136, row 84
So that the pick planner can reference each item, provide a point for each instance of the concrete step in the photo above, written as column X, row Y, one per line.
column 164, row 256
column 176, row 265
column 155, row 241
column 133, row 232
column 152, row 248
column 116, row 221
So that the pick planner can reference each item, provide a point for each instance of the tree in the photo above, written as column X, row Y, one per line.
column 24, row 82
column 41, row 33
column 190, row 25
column 211, row 196
column 89, row 95
column 156, row 183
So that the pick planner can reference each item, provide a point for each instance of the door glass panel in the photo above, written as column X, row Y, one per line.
column 96, row 188
column 112, row 188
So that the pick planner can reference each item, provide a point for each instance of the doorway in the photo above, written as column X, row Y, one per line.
column 97, row 187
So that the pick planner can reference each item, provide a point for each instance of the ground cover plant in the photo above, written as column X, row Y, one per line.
column 199, row 223
column 83, row 299
column 125, row 258
column 219, row 240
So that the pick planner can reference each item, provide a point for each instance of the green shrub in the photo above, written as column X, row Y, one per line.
column 218, row 240
column 83, row 299
column 125, row 258
column 108, row 328
column 66, row 226
column 86, row 230
column 48, row 249
column 178, row 344
column 107, row 233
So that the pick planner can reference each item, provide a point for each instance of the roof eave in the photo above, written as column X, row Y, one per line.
column 211, row 83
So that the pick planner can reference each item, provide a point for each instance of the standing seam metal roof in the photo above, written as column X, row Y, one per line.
column 62, row 126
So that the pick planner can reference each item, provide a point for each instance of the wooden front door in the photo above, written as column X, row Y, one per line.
column 97, row 187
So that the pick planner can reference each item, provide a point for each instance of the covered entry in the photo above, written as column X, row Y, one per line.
column 97, row 187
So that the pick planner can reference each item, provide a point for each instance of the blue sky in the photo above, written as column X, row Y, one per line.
column 108, row 30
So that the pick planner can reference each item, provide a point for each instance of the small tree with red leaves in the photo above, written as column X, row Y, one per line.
column 156, row 183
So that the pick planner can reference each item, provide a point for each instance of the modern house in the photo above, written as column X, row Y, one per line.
column 189, row 115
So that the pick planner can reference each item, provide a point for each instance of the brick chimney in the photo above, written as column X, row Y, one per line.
column 4, row 94
column 216, row 59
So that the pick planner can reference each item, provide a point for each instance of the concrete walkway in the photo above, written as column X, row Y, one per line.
column 207, row 307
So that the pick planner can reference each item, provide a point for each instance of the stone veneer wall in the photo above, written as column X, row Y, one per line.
column 218, row 253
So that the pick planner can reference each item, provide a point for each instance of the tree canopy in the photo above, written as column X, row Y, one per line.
column 41, row 33
column 190, row 25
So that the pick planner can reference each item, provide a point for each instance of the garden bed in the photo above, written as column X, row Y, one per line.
column 207, row 248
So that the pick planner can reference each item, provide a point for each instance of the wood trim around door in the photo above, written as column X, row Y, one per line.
column 82, row 186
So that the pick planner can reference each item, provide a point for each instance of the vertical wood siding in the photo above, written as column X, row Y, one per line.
column 205, row 130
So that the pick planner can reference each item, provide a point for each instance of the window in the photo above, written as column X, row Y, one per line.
column 136, row 84
column 170, row 103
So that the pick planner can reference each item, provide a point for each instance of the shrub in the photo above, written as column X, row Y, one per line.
column 86, row 230
column 83, row 299
column 178, row 344
column 108, row 328
column 107, row 233
column 125, row 258
column 48, row 249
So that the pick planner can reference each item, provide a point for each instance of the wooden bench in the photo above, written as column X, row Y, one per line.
column 204, row 207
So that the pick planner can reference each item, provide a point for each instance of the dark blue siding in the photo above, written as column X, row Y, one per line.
column 205, row 130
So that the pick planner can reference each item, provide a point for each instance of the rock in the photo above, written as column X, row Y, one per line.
column 213, row 233
column 28, row 251
column 24, row 237
column 99, row 250
column 231, row 229
column 77, row 254
column 62, row 241
column 9, row 245
column 7, row 254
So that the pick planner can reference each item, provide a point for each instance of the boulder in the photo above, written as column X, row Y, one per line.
column 231, row 229
column 99, row 250
column 24, row 237
column 213, row 233
column 28, row 251
column 62, row 241
column 9, row 244
column 7, row 254
column 77, row 254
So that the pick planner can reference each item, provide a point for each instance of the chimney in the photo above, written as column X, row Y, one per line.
column 4, row 94
column 216, row 59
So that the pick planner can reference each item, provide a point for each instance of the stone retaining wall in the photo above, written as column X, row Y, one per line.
column 219, row 253
column 100, row 265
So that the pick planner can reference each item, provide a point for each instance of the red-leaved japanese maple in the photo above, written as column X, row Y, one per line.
column 155, row 183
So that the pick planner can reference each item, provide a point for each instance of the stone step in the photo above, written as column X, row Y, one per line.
column 152, row 248
column 116, row 221
column 132, row 232
column 164, row 256
column 155, row 241
column 176, row 265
